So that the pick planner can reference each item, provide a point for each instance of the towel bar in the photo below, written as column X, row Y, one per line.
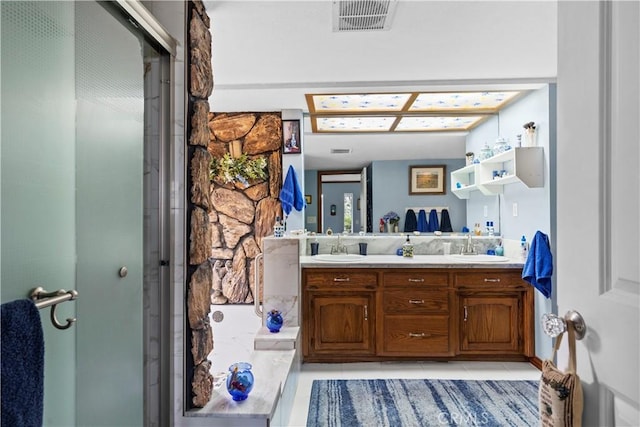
column 43, row 299
column 553, row 325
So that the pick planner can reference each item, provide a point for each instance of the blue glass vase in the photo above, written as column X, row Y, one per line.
column 240, row 380
column 274, row 321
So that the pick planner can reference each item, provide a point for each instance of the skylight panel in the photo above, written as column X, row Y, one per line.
column 461, row 101
column 361, row 103
column 430, row 124
column 355, row 124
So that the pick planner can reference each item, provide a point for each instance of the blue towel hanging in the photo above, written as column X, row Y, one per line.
column 433, row 221
column 290, row 195
column 445, row 223
column 410, row 221
column 22, row 356
column 423, row 225
column 538, row 267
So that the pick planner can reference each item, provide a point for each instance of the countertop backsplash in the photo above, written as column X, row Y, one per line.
column 386, row 244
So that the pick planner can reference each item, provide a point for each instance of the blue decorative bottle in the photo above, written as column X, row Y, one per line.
column 274, row 321
column 240, row 380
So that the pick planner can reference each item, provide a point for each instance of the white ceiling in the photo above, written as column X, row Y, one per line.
column 267, row 54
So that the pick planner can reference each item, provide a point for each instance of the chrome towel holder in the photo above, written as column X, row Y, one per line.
column 43, row 299
column 553, row 325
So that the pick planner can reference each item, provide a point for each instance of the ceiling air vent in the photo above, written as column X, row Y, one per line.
column 363, row 15
column 340, row 150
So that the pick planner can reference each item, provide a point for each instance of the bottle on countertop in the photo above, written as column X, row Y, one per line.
column 407, row 248
column 477, row 230
column 381, row 225
column 278, row 228
column 524, row 248
column 490, row 229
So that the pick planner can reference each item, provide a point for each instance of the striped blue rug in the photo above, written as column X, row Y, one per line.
column 414, row 403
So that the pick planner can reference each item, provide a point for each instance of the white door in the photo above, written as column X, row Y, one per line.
column 598, row 196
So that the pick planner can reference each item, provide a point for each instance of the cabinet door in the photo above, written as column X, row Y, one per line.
column 342, row 324
column 490, row 323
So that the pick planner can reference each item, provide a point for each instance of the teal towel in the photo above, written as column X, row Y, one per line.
column 538, row 267
column 22, row 364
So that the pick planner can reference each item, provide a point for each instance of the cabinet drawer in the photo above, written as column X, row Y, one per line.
column 416, row 279
column 489, row 279
column 409, row 301
column 411, row 335
column 340, row 279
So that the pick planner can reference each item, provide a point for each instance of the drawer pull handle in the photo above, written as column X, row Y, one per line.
column 466, row 314
column 419, row 335
column 340, row 279
column 416, row 301
column 416, row 280
column 366, row 312
column 492, row 280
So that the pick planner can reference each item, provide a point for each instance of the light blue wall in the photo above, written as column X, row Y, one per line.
column 391, row 191
column 487, row 132
column 311, row 188
column 534, row 204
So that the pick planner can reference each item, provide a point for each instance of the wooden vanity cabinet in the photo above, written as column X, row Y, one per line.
column 339, row 309
column 415, row 318
column 495, row 314
column 364, row 314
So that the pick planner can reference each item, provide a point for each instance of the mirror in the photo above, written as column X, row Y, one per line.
column 327, row 187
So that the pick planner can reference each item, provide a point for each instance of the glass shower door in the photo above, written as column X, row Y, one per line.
column 72, row 198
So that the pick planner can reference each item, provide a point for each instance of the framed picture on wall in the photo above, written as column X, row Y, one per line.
column 427, row 180
column 291, row 140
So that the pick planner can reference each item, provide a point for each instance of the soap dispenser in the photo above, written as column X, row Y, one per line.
column 524, row 249
column 407, row 248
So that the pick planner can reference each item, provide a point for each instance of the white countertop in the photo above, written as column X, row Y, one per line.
column 418, row 261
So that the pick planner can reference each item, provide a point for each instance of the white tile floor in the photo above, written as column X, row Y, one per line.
column 383, row 370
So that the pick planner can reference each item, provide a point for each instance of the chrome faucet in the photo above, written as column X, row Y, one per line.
column 470, row 248
column 339, row 248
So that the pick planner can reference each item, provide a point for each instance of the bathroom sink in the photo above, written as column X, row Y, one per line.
column 339, row 257
column 478, row 258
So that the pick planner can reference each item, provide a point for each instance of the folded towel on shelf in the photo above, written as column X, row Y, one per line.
column 22, row 360
column 538, row 268
column 433, row 221
column 445, row 221
column 410, row 221
column 291, row 195
column 423, row 225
